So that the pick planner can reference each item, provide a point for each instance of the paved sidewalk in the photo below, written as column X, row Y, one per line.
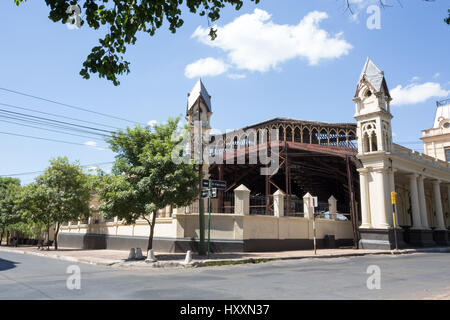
column 118, row 258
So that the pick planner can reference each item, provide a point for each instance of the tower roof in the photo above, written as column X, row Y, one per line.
column 374, row 76
column 198, row 91
column 442, row 112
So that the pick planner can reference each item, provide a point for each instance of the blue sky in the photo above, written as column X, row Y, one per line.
column 289, row 58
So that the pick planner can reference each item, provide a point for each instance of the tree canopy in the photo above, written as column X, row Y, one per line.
column 145, row 179
column 9, row 193
column 62, row 193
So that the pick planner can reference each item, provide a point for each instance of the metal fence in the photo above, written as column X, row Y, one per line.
column 295, row 207
column 258, row 205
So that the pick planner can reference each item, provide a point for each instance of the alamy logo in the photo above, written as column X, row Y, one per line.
column 374, row 280
column 253, row 146
column 374, row 20
column 74, row 21
column 74, row 280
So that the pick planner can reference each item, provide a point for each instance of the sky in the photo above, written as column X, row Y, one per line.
column 279, row 58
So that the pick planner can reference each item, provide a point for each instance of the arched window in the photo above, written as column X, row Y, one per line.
column 235, row 143
column 314, row 136
column 297, row 135
column 281, row 136
column 366, row 143
column 306, row 135
column 386, row 137
column 251, row 139
column 288, row 133
column 369, row 132
column 332, row 138
column 323, row 137
column 374, row 142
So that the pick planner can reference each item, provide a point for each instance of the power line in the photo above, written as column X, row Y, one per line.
column 56, row 115
column 69, row 106
column 51, row 120
column 40, row 138
column 43, row 125
column 57, row 131
column 36, row 172
column 52, row 125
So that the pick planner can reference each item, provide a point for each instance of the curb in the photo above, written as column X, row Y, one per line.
column 63, row 258
column 220, row 262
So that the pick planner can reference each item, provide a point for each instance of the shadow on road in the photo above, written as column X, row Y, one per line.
column 6, row 264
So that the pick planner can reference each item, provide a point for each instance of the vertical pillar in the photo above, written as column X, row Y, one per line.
column 278, row 203
column 242, row 200
column 308, row 210
column 422, row 203
column 438, row 205
column 448, row 197
column 381, row 194
column 365, row 204
column 417, row 223
column 332, row 207
column 221, row 192
column 391, row 174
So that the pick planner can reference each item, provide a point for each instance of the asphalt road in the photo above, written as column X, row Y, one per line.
column 413, row 276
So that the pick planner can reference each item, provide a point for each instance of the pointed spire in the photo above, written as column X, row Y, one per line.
column 198, row 91
column 374, row 75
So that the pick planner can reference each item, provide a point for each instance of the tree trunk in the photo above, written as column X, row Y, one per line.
column 7, row 238
column 1, row 238
column 48, row 237
column 152, row 228
column 56, row 235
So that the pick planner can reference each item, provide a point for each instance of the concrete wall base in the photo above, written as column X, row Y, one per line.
column 380, row 239
column 102, row 241
column 420, row 238
column 441, row 237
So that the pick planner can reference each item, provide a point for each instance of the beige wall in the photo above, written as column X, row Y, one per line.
column 226, row 226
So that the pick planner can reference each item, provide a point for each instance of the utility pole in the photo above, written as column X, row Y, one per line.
column 201, row 215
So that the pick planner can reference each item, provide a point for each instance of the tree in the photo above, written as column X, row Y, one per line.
column 123, row 20
column 145, row 179
column 34, row 203
column 9, row 215
column 60, row 194
column 68, row 190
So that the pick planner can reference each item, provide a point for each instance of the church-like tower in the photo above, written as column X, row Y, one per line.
column 374, row 133
column 373, row 112
column 198, row 116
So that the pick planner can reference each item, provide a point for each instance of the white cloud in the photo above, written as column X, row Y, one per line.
column 254, row 42
column 417, row 93
column 152, row 123
column 236, row 76
column 415, row 79
column 205, row 67
column 90, row 143
column 436, row 75
column 93, row 144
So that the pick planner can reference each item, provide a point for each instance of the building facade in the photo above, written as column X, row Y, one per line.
column 352, row 169
column 422, row 182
